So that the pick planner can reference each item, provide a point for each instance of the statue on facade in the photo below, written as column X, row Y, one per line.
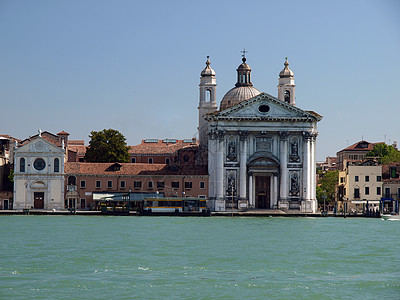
column 232, row 151
column 294, row 185
column 294, row 150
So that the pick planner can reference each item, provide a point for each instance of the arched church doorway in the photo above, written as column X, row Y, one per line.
column 263, row 172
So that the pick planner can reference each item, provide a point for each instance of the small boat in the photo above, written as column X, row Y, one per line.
column 392, row 216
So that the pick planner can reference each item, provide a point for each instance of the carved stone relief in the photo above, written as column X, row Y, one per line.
column 231, row 182
column 294, row 183
column 263, row 144
column 294, row 149
column 232, row 149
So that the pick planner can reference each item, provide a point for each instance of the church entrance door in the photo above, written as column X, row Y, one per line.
column 263, row 192
column 38, row 202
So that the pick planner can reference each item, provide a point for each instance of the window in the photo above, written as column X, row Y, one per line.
column 167, row 161
column 122, row 184
column 160, row 184
column 133, row 160
column 71, row 180
column 188, row 185
column 366, row 190
column 98, row 184
column 398, row 193
column 22, row 165
column 83, row 184
column 150, row 184
column 341, row 179
column 202, row 185
column 81, row 159
column 202, row 196
column 137, row 184
column 378, row 190
column 185, row 158
column 150, row 160
column 344, row 191
column 366, row 178
column 175, row 184
column 56, row 165
column 356, row 179
column 379, row 178
column 387, row 192
column 109, row 184
column 356, row 193
column 287, row 96
column 39, row 164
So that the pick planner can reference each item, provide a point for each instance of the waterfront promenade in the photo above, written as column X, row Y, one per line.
column 235, row 213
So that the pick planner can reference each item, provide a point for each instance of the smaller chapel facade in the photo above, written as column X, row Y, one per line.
column 39, row 174
column 261, row 149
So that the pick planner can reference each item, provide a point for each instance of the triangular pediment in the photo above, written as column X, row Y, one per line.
column 265, row 107
column 39, row 145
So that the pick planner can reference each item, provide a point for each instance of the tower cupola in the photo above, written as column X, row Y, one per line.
column 286, row 86
column 243, row 74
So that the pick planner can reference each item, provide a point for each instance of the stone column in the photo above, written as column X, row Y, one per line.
column 251, row 199
column 306, row 166
column 314, row 166
column 243, row 164
column 220, row 165
column 212, row 152
column 275, row 191
column 283, row 147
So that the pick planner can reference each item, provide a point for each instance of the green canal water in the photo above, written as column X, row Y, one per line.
column 98, row 257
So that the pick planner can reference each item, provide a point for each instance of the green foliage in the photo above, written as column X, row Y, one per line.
column 327, row 186
column 108, row 145
column 11, row 175
column 386, row 153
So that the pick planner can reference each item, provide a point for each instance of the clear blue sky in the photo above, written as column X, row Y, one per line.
column 134, row 66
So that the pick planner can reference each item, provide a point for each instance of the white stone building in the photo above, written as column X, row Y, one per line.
column 39, row 175
column 261, row 149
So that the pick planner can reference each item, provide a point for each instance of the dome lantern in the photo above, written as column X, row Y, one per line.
column 243, row 89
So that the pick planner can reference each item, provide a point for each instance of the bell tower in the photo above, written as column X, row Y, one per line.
column 286, row 85
column 207, row 102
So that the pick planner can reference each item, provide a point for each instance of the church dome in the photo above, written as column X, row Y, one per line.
column 208, row 71
column 243, row 89
column 237, row 95
column 286, row 72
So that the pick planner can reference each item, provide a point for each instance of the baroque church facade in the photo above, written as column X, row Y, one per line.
column 261, row 149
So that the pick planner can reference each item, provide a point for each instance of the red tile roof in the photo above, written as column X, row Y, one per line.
column 160, row 147
column 79, row 149
column 63, row 133
column 361, row 146
column 131, row 169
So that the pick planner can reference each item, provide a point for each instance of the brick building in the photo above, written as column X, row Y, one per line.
column 88, row 182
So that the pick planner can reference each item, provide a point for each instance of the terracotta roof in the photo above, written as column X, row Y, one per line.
column 131, row 169
column 76, row 142
column 63, row 133
column 48, row 136
column 160, row 146
column 79, row 149
column 361, row 146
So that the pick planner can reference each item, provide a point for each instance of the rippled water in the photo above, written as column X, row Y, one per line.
column 96, row 257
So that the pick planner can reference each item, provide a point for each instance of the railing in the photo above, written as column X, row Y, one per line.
column 71, row 187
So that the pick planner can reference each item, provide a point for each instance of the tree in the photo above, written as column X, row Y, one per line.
column 327, row 186
column 108, row 145
column 386, row 153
